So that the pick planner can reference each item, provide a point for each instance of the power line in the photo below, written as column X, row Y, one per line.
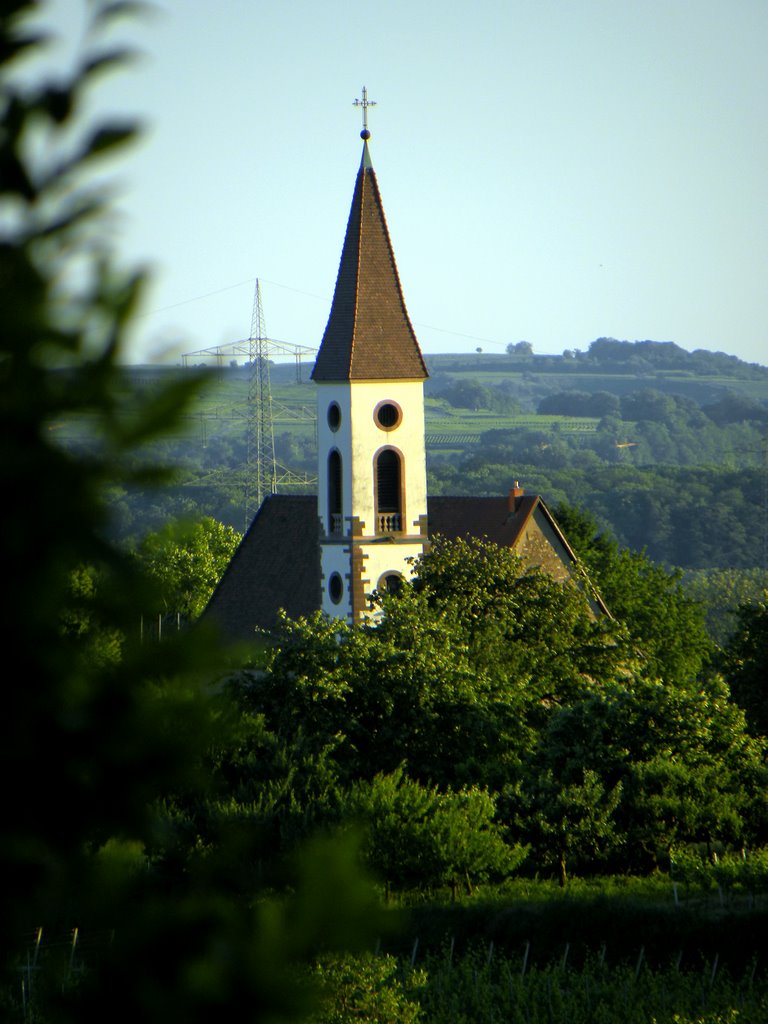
column 310, row 295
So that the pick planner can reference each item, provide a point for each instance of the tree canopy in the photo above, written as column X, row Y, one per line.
column 602, row 742
column 186, row 560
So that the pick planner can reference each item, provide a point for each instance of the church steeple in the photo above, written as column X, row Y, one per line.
column 369, row 335
column 372, row 479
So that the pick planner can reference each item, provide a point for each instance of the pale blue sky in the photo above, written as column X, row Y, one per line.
column 552, row 170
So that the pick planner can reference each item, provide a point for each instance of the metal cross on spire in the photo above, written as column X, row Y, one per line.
column 365, row 103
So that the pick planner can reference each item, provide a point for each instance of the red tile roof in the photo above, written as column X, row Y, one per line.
column 369, row 335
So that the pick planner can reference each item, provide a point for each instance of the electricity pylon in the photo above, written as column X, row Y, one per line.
column 263, row 474
column 260, row 462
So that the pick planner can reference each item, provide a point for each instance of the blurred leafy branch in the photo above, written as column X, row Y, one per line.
column 93, row 735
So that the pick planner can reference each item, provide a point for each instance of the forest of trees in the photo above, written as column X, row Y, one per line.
column 682, row 478
column 698, row 502
column 565, row 741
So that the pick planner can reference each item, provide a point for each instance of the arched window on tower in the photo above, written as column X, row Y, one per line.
column 389, row 493
column 335, row 519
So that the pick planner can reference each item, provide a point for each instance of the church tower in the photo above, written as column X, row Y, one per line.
column 372, row 480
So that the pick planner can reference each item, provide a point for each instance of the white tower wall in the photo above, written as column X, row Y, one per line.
column 366, row 546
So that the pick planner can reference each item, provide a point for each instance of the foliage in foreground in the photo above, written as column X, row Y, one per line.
column 484, row 985
column 98, row 726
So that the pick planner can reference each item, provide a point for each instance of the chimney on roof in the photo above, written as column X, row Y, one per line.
column 515, row 493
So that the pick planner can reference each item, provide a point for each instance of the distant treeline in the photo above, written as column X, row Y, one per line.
column 608, row 355
column 654, row 405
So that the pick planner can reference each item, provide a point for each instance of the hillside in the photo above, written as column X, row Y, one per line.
column 468, row 393
column 666, row 448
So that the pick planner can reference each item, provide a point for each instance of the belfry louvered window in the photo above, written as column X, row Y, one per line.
column 335, row 519
column 388, row 492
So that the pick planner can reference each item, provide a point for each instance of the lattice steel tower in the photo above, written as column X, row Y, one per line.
column 261, row 465
column 263, row 474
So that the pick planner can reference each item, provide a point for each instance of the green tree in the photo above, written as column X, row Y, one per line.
column 452, row 682
column 419, row 836
column 187, row 560
column 745, row 663
column 367, row 989
column 520, row 348
column 735, row 408
column 454, row 678
column 469, row 843
column 482, row 675
column 517, row 622
column 721, row 592
column 59, row 356
column 397, row 691
column 82, row 621
column 465, row 393
column 687, row 768
column 572, row 819
column 667, row 627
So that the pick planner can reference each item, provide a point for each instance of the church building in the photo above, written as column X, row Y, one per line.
column 372, row 514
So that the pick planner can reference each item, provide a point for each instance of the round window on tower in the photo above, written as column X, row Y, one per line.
column 387, row 415
column 335, row 588
column 334, row 416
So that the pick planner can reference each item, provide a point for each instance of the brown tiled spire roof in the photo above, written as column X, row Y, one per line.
column 369, row 335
